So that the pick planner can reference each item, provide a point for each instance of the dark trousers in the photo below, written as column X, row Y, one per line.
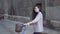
column 39, row 33
column 36, row 33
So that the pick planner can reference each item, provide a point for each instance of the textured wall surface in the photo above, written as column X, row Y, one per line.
column 53, row 9
column 21, row 7
column 24, row 7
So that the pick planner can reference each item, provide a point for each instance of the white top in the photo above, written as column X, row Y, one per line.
column 38, row 26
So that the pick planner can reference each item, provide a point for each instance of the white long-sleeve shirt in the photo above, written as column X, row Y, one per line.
column 38, row 26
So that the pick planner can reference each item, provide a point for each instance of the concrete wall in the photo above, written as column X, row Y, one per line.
column 1, row 6
column 22, row 7
column 53, row 11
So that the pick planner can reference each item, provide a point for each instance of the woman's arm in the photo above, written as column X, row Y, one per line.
column 35, row 20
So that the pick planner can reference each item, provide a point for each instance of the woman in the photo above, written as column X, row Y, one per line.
column 37, row 19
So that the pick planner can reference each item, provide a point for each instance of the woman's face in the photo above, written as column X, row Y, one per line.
column 36, row 9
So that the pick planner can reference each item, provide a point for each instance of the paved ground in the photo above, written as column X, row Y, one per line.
column 8, row 27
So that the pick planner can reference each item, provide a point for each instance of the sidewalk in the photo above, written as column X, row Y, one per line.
column 8, row 27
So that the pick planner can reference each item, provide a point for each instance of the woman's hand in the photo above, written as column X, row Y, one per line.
column 27, row 24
